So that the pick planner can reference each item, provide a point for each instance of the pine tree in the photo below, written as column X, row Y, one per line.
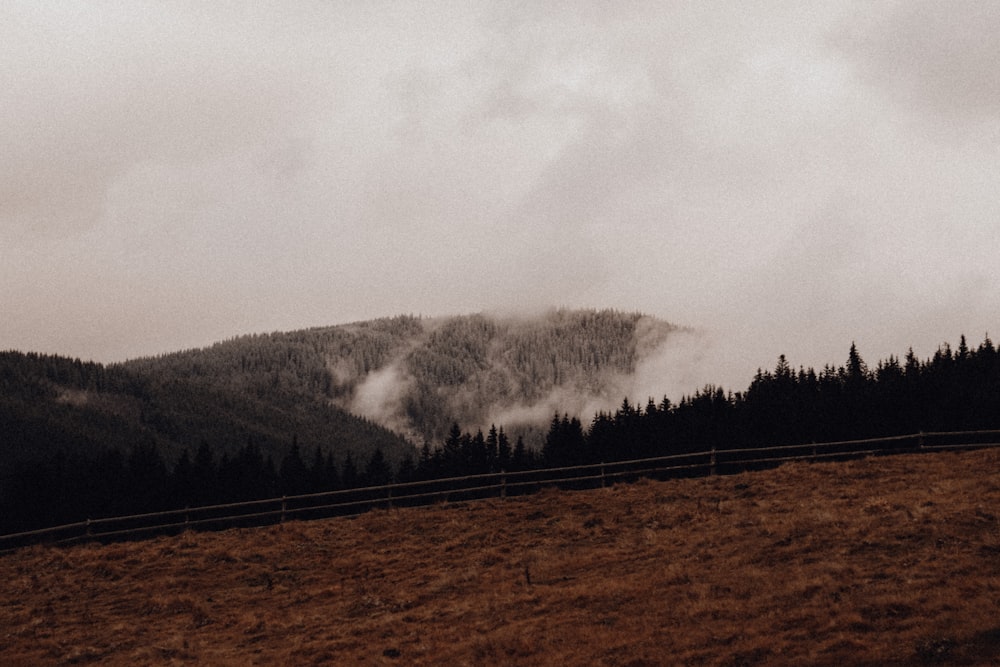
column 317, row 472
column 504, row 453
column 182, row 489
column 204, row 476
column 407, row 471
column 492, row 449
column 349, row 474
column 377, row 472
column 293, row 472
column 521, row 458
column 427, row 467
column 331, row 476
column 476, row 457
column 452, row 454
column 857, row 371
column 564, row 444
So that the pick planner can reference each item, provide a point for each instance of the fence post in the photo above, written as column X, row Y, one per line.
column 602, row 475
column 187, row 514
column 711, row 463
column 88, row 529
column 388, row 497
column 920, row 440
column 503, row 485
column 284, row 507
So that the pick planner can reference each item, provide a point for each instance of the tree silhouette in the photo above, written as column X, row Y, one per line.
column 294, row 475
column 377, row 471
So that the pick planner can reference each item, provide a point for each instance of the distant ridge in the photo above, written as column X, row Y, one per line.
column 515, row 371
column 347, row 388
column 53, row 407
column 418, row 375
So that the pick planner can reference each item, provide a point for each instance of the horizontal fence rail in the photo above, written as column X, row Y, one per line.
column 351, row 502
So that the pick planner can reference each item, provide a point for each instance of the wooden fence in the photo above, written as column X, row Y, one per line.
column 351, row 502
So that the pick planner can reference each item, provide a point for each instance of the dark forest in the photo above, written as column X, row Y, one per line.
column 953, row 390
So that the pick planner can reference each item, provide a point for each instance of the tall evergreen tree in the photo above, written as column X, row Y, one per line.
column 504, row 452
column 377, row 471
column 492, row 449
column 521, row 457
column 293, row 472
column 349, row 472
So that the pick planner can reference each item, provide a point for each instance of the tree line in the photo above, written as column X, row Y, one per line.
column 459, row 368
column 953, row 390
column 50, row 404
column 75, row 486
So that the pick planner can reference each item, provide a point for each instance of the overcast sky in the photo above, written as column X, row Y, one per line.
column 785, row 176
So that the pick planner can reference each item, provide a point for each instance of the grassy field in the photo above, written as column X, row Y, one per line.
column 884, row 561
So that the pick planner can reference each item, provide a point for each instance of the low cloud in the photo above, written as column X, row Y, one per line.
column 381, row 396
column 178, row 173
column 677, row 366
column 933, row 56
column 670, row 362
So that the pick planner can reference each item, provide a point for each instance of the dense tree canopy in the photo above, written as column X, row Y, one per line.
column 128, row 472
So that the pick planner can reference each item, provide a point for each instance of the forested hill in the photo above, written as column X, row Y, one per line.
column 419, row 375
column 54, row 406
column 341, row 389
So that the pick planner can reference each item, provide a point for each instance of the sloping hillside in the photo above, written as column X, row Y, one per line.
column 479, row 370
column 291, row 412
column 51, row 404
column 886, row 561
column 418, row 376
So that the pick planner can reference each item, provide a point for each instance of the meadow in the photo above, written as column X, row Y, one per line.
column 891, row 560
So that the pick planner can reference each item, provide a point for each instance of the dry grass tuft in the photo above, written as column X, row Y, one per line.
column 886, row 561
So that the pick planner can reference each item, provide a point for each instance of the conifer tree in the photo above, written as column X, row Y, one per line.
column 407, row 471
column 492, row 449
column 377, row 472
column 293, row 472
column 520, row 459
column 349, row 474
column 504, row 453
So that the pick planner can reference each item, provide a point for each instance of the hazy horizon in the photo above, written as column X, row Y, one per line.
column 784, row 177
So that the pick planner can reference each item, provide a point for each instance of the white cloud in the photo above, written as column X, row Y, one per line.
column 933, row 56
column 788, row 176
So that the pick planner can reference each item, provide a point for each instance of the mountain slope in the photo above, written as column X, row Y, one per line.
column 478, row 370
column 51, row 404
column 338, row 388
column 417, row 376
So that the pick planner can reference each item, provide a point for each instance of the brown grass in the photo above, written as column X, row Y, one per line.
column 883, row 561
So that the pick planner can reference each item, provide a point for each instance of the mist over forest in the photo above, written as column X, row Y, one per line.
column 370, row 254
column 417, row 375
column 389, row 384
column 407, row 398
column 482, row 370
column 339, row 397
